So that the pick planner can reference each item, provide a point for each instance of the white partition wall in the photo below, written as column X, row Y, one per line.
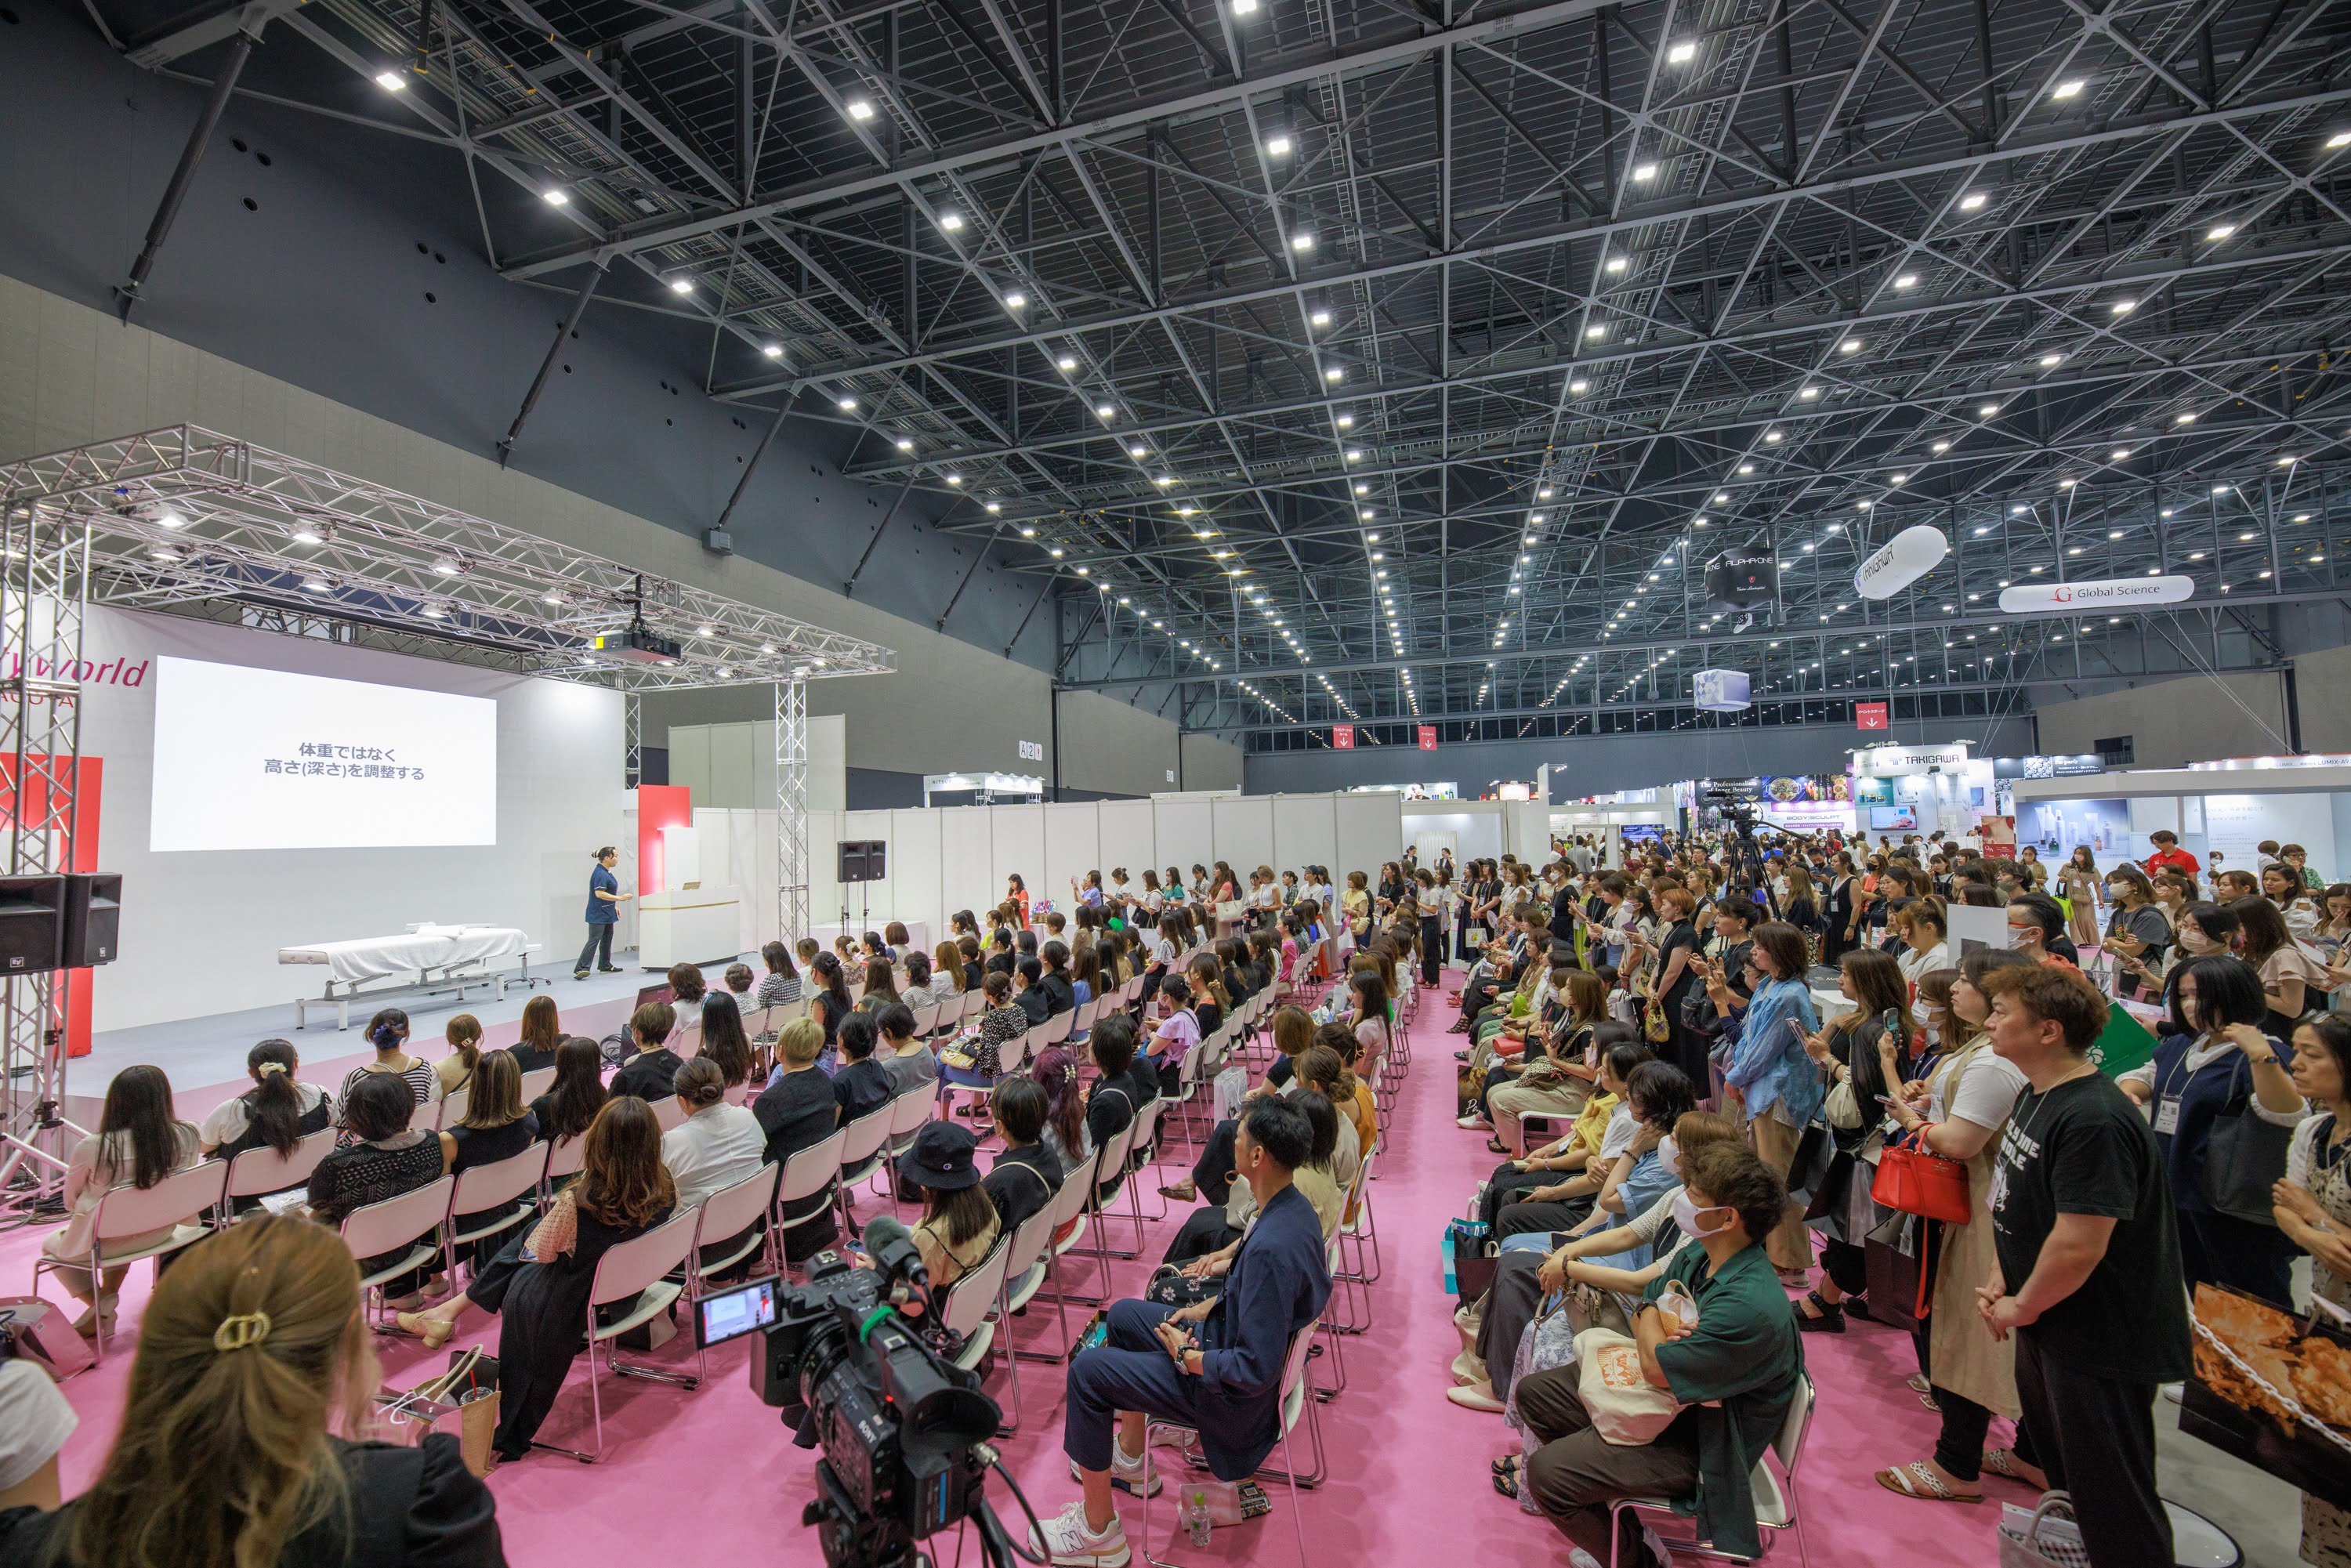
column 1186, row 831
column 1370, row 829
column 1244, row 834
column 1128, row 839
column 1018, row 835
column 1305, row 831
column 916, row 867
column 967, row 878
column 1072, row 848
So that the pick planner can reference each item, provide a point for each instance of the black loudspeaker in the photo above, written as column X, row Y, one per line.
column 862, row 860
column 32, row 927
column 93, row 920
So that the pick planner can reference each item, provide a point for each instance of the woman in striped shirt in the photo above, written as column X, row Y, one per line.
column 388, row 1032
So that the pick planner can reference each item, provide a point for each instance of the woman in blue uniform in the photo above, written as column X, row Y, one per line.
column 604, row 900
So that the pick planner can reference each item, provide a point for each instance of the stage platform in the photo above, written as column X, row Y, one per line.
column 204, row 1057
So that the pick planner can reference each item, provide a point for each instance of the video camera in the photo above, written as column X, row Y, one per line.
column 905, row 1434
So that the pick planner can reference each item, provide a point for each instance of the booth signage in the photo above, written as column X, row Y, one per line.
column 1892, row 760
column 1869, row 716
column 2104, row 593
column 1428, row 737
column 1342, row 736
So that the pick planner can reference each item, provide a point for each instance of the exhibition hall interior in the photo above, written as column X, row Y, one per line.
column 761, row 764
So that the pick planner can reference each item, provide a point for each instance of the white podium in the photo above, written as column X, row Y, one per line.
column 688, row 927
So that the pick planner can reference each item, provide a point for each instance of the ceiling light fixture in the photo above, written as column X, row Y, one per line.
column 860, row 110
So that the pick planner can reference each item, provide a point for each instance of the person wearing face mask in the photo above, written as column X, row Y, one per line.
column 1734, row 1372
column 2136, row 929
column 1964, row 1374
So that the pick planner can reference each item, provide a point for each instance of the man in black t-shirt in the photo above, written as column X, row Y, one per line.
column 2089, row 1275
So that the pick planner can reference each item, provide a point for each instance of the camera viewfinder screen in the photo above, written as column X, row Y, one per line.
column 738, row 1312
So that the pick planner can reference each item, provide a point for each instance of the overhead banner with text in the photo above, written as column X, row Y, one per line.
column 1869, row 716
column 2106, row 593
column 1342, row 736
column 1428, row 737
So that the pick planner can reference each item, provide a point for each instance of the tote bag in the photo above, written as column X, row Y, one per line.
column 2243, row 1156
column 1627, row 1410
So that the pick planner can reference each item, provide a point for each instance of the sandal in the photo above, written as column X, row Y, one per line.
column 2004, row 1462
column 1496, row 1146
column 1506, row 1476
column 1917, row 1479
column 1918, row 1384
column 1828, row 1319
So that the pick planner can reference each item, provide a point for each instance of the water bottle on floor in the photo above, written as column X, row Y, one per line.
column 1195, row 1519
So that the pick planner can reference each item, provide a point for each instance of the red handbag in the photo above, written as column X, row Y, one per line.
column 1912, row 1179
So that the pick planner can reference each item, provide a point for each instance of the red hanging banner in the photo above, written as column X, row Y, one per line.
column 1869, row 716
column 1342, row 736
column 1428, row 737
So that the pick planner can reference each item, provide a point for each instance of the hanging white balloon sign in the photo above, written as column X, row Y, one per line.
column 1901, row 561
column 2101, row 594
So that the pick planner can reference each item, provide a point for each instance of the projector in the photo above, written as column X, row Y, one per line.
column 638, row 645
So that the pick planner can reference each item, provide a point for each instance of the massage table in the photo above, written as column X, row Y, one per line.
column 445, row 960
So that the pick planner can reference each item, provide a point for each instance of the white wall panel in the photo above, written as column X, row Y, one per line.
column 1017, row 833
column 1370, row 829
column 734, row 778
column 1072, row 848
column 966, row 863
column 1244, row 831
column 1305, row 831
column 1128, row 839
column 1185, row 835
column 916, row 872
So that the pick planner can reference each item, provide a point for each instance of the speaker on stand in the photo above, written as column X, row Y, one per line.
column 863, row 860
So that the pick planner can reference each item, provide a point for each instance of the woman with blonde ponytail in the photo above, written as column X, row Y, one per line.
column 252, row 1349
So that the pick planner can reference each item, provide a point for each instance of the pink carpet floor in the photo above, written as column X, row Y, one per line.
column 1410, row 1480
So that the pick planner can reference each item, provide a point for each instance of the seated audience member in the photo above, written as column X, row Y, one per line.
column 967, row 948
column 652, row 1065
column 1128, row 1082
column 738, row 982
column 388, row 1032
column 1001, row 956
column 1065, row 1136
column 1001, row 1023
column 1216, row 1367
column 686, row 985
column 1566, row 1175
column 881, row 987
column 1028, row 992
column 958, row 1225
column 138, row 1141
column 903, row 1054
column 1656, row 1094
column 542, row 1032
column 1025, row 1176
column 781, row 983
column 797, row 1109
column 570, row 1104
column 862, row 1085
column 947, row 974
column 385, row 1159
column 831, row 1002
column 456, row 1071
column 1178, row 1035
column 1061, row 995
column 920, row 992
column 495, row 1127
column 278, row 1112
column 263, row 1321
column 35, row 1422
column 726, row 1042
column 716, row 1145
column 1206, row 1245
column 1294, row 1035
column 1524, row 1279
column 1734, row 1374
column 896, row 936
column 539, row 1282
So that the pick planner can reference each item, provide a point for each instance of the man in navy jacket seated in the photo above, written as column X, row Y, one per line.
column 1216, row 1368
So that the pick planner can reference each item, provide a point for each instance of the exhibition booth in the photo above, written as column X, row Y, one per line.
column 2221, row 810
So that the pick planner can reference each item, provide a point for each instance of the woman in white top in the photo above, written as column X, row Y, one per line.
column 715, row 1146
column 138, row 1141
column 1924, row 950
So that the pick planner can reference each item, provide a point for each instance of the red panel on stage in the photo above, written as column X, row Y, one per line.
column 659, row 806
column 87, row 780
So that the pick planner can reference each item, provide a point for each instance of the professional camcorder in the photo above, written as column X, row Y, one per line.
column 904, row 1433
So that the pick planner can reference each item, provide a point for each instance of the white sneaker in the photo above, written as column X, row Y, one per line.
column 1125, row 1474
column 1065, row 1540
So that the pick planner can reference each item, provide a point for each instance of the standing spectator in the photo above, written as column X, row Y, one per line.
column 2168, row 854
column 2313, row 1209
column 2082, row 1222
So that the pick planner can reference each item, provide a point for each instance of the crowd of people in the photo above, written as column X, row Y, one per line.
column 1693, row 1067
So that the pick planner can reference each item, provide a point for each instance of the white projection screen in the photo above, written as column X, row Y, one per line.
column 251, row 759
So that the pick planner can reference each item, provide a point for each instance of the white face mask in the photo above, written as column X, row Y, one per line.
column 1686, row 1213
column 2118, row 890
column 1669, row 1156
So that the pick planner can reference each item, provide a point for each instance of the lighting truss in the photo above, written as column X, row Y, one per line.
column 187, row 518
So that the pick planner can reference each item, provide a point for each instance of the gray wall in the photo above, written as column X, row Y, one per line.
column 1597, row 765
column 2174, row 722
column 2322, row 690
